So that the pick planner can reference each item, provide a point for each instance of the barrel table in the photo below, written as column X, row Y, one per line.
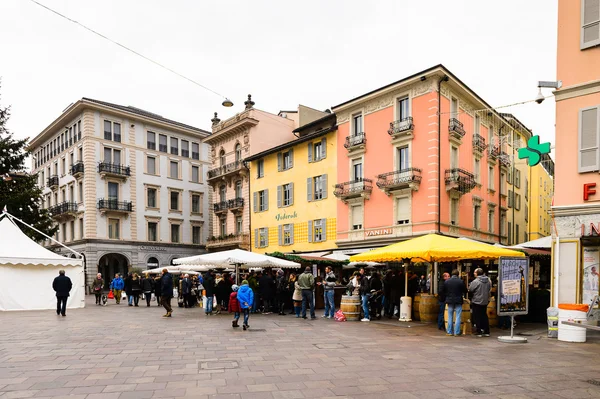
column 415, row 307
column 429, row 308
column 492, row 313
column 350, row 306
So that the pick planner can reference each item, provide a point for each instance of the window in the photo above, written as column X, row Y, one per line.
column 589, row 137
column 80, row 155
column 260, row 168
column 196, row 174
column 511, row 198
column 152, row 231
column 477, row 124
column 222, row 158
column 162, row 143
column 152, row 196
column 545, row 186
column 316, row 188
column 317, row 230
column 151, row 141
column 223, row 227
column 113, row 191
column 78, row 130
column 238, row 152
column 175, row 233
column 454, row 157
column 356, row 213
column 195, row 151
column 285, row 160
column 261, row 237
column 491, row 178
column 63, row 230
column 261, row 200
column 402, row 153
column 403, row 111
column 526, row 213
column 477, row 216
column 112, row 131
column 196, row 203
column 357, row 170
column 526, row 189
column 72, row 230
column 502, row 223
column 503, row 183
column 185, row 148
column 491, row 221
column 517, row 201
column 113, row 229
column 491, row 136
column 112, row 156
column 454, row 108
column 590, row 24
column 517, row 178
column 238, row 189
column 63, row 166
column 540, row 200
column 517, row 235
column 357, row 125
column 174, row 201
column 317, row 150
column 174, row 170
column 71, row 159
column 477, row 170
column 238, row 224
column 174, row 146
column 80, row 189
column 402, row 210
column 285, row 195
column 286, row 234
column 151, row 165
column 223, row 193
column 196, row 234
column 454, row 211
column 81, row 228
column 510, row 233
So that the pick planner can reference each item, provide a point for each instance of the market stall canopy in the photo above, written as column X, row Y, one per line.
column 434, row 248
column 540, row 243
column 236, row 256
column 337, row 255
column 171, row 270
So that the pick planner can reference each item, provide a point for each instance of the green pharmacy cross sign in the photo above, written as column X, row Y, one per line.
column 534, row 151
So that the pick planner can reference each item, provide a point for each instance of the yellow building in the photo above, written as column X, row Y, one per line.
column 542, row 192
column 292, row 203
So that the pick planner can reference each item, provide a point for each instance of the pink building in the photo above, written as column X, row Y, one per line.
column 422, row 155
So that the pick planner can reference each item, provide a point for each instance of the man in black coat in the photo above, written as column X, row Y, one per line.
column 209, row 287
column 442, row 301
column 62, row 286
column 266, row 285
column 166, row 289
column 455, row 289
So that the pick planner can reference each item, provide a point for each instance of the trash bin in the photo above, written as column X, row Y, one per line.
column 552, row 314
column 574, row 313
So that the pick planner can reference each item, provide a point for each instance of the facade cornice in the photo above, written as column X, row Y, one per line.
column 236, row 128
column 578, row 90
column 576, row 210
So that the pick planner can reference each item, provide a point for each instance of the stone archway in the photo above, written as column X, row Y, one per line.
column 152, row 263
column 112, row 263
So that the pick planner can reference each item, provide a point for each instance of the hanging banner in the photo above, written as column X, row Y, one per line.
column 513, row 286
column 591, row 259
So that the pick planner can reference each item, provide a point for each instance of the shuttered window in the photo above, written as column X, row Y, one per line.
column 590, row 23
column 589, row 136
column 285, row 234
column 402, row 210
column 357, row 217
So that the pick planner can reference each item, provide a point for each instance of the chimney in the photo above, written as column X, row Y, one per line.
column 249, row 103
column 215, row 121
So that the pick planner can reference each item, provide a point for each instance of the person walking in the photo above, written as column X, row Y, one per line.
column 221, row 291
column 455, row 289
column 234, row 306
column 136, row 289
column 116, row 287
column 480, row 297
column 376, row 288
column 306, row 282
column 209, row 287
column 166, row 282
column 365, row 294
column 281, row 291
column 158, row 290
column 253, row 283
column 147, row 288
column 62, row 286
column 328, row 286
column 442, row 301
column 246, row 298
column 128, row 289
column 186, row 290
column 97, row 286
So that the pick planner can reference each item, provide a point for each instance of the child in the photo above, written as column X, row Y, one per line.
column 234, row 306
column 245, row 296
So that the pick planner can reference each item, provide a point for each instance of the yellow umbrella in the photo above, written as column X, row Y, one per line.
column 434, row 248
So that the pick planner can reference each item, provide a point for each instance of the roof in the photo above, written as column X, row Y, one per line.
column 511, row 116
column 289, row 144
column 313, row 123
column 141, row 112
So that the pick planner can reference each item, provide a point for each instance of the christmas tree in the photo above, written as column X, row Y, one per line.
column 19, row 193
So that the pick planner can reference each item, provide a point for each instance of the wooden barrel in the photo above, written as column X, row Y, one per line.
column 492, row 312
column 429, row 308
column 350, row 306
column 415, row 307
column 465, row 318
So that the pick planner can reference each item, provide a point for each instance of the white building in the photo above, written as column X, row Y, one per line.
column 126, row 186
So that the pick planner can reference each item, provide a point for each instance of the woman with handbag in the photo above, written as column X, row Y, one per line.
column 147, row 288
column 97, row 288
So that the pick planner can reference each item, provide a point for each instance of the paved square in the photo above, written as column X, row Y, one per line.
column 127, row 352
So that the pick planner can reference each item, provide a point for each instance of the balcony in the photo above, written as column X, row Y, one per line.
column 504, row 159
column 356, row 142
column 354, row 189
column 493, row 152
column 63, row 210
column 226, row 170
column 114, row 170
column 456, row 129
column 401, row 128
column 114, row 206
column 235, row 205
column 478, row 143
column 220, row 207
column 400, row 179
column 52, row 182
column 459, row 181
column 77, row 169
column 232, row 241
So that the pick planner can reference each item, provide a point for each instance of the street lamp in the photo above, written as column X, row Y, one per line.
column 227, row 103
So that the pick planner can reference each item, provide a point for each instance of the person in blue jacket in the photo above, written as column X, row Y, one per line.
column 117, row 286
column 246, row 298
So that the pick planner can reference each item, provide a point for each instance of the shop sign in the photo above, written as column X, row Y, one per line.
column 284, row 216
column 588, row 189
column 593, row 231
column 380, row 232
column 534, row 151
column 513, row 283
column 152, row 249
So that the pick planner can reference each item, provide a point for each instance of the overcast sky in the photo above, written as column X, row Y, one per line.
column 316, row 53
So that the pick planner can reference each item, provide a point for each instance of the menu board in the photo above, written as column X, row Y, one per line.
column 591, row 260
column 513, row 286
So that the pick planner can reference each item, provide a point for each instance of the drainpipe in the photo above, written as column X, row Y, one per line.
column 439, row 98
column 500, row 187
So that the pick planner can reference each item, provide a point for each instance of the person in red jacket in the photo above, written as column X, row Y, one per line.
column 234, row 306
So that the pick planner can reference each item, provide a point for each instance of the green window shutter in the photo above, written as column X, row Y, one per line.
column 589, row 126
column 291, row 158
column 310, row 152
column 256, row 238
column 255, row 198
column 291, row 193
column 324, row 148
column 279, row 195
column 324, row 185
column 324, row 226
column 266, row 199
column 279, row 161
column 310, row 231
column 309, row 193
column 280, row 234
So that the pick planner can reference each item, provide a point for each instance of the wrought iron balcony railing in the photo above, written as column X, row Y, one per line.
column 493, row 151
column 52, row 181
column 478, row 142
column 114, row 169
column 77, row 168
column 504, row 159
column 115, row 205
column 220, row 206
column 353, row 188
column 402, row 126
column 456, row 128
column 225, row 169
column 356, row 140
column 63, row 208
column 399, row 179
column 234, row 203
column 459, row 180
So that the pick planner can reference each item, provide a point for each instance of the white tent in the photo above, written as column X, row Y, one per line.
column 171, row 270
column 27, row 271
column 540, row 243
